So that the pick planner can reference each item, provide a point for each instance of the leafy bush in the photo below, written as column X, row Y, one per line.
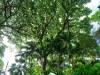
column 88, row 69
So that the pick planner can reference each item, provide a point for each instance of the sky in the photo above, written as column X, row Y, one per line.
column 10, row 55
column 93, row 5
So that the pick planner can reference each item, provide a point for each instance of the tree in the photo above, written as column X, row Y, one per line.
column 95, row 18
column 49, row 28
column 1, row 65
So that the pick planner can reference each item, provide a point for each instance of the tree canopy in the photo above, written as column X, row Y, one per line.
column 52, row 36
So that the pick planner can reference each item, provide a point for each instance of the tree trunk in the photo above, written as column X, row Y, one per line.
column 59, row 62
column 44, row 65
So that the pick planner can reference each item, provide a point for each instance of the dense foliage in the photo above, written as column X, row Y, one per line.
column 52, row 36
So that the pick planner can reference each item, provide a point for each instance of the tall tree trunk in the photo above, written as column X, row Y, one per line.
column 59, row 61
column 44, row 65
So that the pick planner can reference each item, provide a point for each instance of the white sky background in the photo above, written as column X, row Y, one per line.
column 9, row 55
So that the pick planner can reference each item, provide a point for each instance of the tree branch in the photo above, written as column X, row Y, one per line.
column 45, row 27
column 6, row 18
column 66, row 19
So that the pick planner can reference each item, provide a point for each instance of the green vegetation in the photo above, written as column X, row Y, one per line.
column 1, row 65
column 51, row 36
column 2, row 49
